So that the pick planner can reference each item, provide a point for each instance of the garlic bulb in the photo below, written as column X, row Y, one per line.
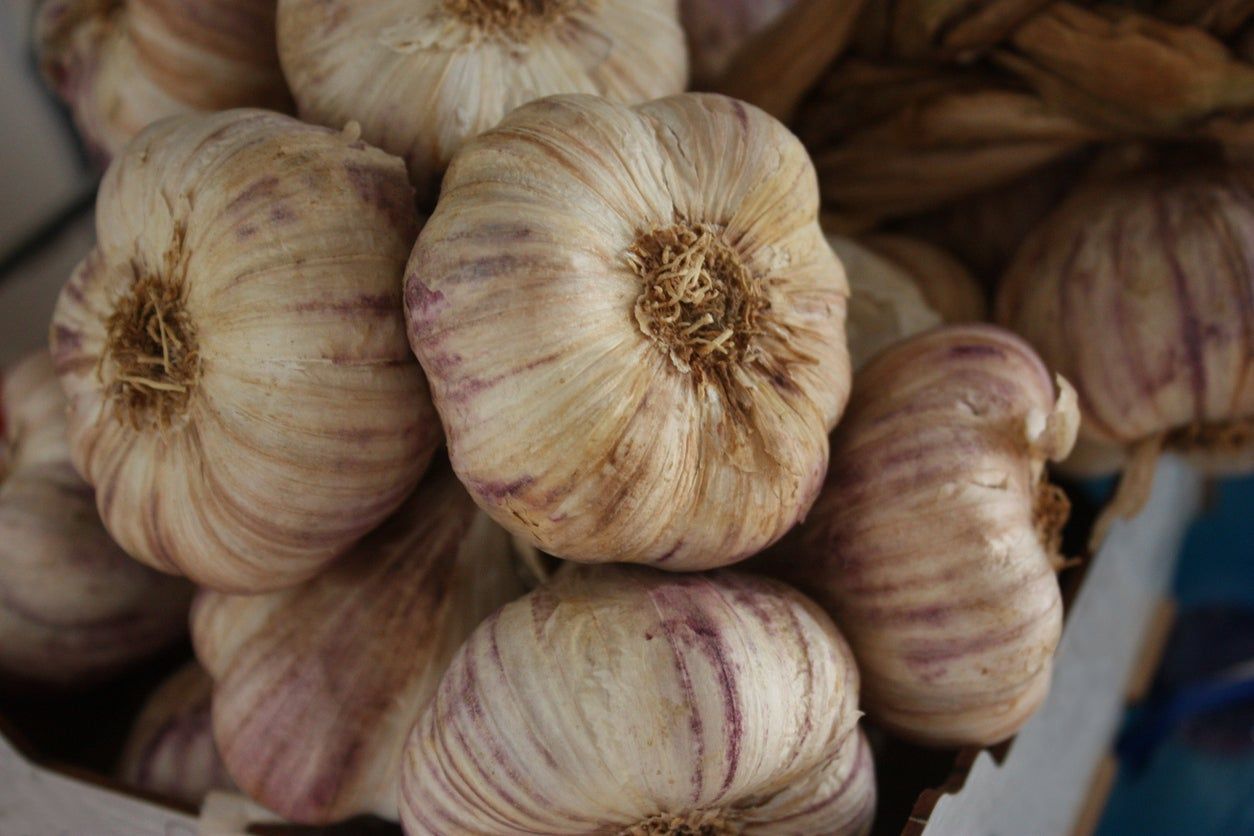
column 717, row 28
column 654, row 345
column 947, row 286
column 934, row 541
column 74, row 609
column 241, row 392
column 885, row 305
column 170, row 750
column 619, row 699
column 423, row 76
column 1137, row 288
column 316, row 686
column 123, row 64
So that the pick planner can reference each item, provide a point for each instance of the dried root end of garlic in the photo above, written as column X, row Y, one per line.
column 654, row 345
column 625, row 700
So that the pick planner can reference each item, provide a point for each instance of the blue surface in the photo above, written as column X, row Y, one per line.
column 1184, row 790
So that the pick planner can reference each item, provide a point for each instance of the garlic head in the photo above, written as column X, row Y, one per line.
column 946, row 285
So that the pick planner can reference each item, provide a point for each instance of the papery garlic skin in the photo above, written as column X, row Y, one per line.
column 581, row 411
column 316, row 686
column 946, row 285
column 75, row 609
column 717, row 28
column 170, row 749
column 423, row 76
column 620, row 699
column 885, row 304
column 1138, row 290
column 934, row 541
column 123, row 64
column 241, row 392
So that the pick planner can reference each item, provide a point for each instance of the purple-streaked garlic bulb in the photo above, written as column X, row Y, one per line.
column 317, row 686
column 123, row 64
column 652, row 346
column 947, row 286
column 74, row 609
column 934, row 542
column 620, row 699
column 717, row 28
column 423, row 76
column 170, row 750
column 1139, row 289
column 242, row 394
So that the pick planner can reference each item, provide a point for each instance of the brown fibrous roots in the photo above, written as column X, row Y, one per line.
column 699, row 301
column 510, row 18
column 701, row 823
column 1050, row 511
column 151, row 363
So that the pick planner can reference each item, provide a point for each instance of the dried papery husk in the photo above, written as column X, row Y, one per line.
column 890, row 141
column 242, row 395
column 654, row 345
column 620, row 699
column 423, row 76
column 75, row 609
column 717, row 28
column 949, row 29
column 946, row 285
column 1224, row 18
column 935, row 540
column 1128, row 72
column 123, row 64
column 170, row 750
column 885, row 304
column 1138, row 290
column 316, row 686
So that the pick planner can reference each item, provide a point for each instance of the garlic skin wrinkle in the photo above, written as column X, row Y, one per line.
column 1138, row 289
column 633, row 328
column 423, row 76
column 934, row 543
column 123, row 64
column 170, row 749
column 74, row 609
column 242, row 396
column 316, row 686
column 623, row 700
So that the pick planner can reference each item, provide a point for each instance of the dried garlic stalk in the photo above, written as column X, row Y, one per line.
column 922, row 29
column 717, row 28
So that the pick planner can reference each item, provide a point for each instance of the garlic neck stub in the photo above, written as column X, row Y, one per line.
column 1137, row 290
column 655, row 344
column 241, row 391
column 934, row 540
column 623, row 700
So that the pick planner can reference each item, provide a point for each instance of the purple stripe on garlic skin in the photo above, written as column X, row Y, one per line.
column 934, row 541
column 317, row 686
column 623, row 700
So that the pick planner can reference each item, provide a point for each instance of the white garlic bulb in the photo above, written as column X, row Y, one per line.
column 620, row 699
column 123, row 64
column 316, row 686
column 423, row 76
column 74, row 609
column 242, row 396
column 946, row 285
column 934, row 543
column 633, row 328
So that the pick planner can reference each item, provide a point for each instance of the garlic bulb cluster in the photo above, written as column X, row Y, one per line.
column 717, row 28
column 123, row 64
column 170, row 750
column 316, row 687
column 1138, row 290
column 633, row 328
column 74, row 609
column 947, row 286
column 934, row 541
column 621, row 699
column 423, row 76
column 242, row 395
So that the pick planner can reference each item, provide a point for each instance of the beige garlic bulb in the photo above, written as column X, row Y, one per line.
column 423, row 76
column 946, row 285
column 935, row 540
column 885, row 304
column 620, row 699
column 241, row 392
column 717, row 28
column 74, row 609
column 123, row 64
column 1138, row 289
column 316, row 686
column 633, row 328
column 170, row 750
